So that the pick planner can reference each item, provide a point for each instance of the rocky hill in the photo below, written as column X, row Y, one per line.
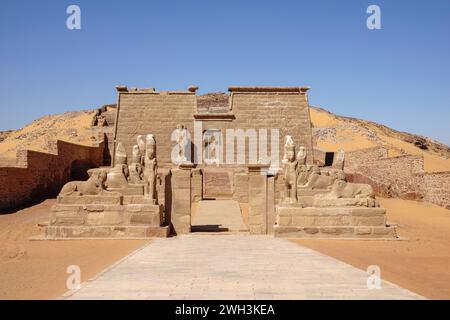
column 330, row 132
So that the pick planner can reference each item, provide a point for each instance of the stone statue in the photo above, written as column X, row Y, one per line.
column 181, row 139
column 287, row 142
column 93, row 186
column 120, row 154
column 301, row 156
column 338, row 162
column 117, row 176
column 141, row 144
column 150, row 168
column 346, row 194
column 135, row 168
column 317, row 180
column 290, row 172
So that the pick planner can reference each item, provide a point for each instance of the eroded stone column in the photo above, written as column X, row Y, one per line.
column 257, row 199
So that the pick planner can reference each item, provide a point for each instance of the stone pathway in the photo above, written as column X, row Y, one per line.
column 232, row 266
column 218, row 215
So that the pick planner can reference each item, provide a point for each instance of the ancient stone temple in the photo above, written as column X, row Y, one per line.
column 255, row 148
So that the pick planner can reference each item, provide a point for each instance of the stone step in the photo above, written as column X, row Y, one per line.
column 344, row 216
column 110, row 232
column 347, row 232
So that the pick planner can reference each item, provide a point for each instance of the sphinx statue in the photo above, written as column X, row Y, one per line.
column 117, row 176
column 150, row 169
column 347, row 194
column 135, row 169
column 290, row 166
column 95, row 185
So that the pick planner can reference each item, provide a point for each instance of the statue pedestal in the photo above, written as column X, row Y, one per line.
column 333, row 222
column 96, row 219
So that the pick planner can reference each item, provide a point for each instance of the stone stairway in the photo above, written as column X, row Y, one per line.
column 218, row 216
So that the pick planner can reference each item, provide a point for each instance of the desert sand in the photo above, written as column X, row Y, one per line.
column 37, row 269
column 349, row 135
column 421, row 263
column 72, row 127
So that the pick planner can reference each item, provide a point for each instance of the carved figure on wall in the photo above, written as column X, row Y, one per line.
column 150, row 168
column 182, row 141
column 212, row 147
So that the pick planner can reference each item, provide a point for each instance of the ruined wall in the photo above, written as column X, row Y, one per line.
column 359, row 157
column 38, row 175
column 396, row 177
column 437, row 188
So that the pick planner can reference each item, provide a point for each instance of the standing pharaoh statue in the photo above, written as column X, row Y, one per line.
column 150, row 168
column 141, row 144
column 135, row 168
column 290, row 167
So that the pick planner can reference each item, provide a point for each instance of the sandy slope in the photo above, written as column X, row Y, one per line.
column 37, row 269
column 333, row 132
column 71, row 126
column 420, row 264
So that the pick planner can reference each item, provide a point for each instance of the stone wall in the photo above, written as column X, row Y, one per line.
column 357, row 157
column 144, row 112
column 38, row 175
column 395, row 177
column 437, row 188
column 285, row 109
column 401, row 176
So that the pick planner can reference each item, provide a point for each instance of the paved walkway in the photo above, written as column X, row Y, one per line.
column 232, row 266
column 218, row 215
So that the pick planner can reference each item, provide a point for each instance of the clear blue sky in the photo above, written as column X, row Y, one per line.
column 398, row 76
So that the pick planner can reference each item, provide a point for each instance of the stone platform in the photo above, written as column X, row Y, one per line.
column 104, row 217
column 341, row 222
